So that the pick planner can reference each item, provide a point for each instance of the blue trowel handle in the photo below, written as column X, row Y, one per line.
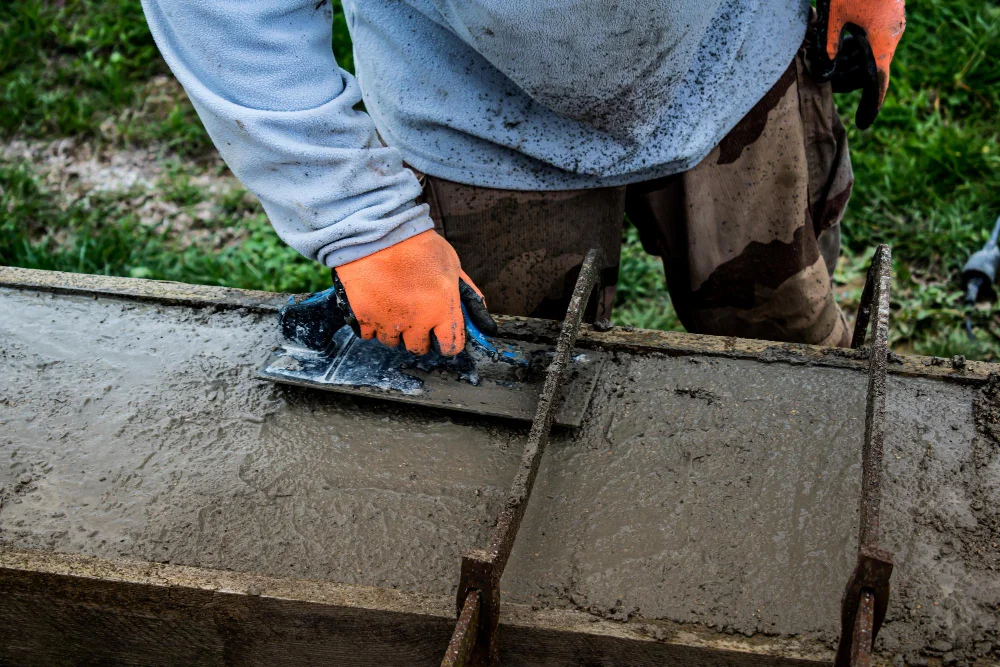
column 312, row 322
column 478, row 344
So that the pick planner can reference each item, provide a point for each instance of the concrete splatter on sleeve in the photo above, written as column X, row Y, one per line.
column 264, row 81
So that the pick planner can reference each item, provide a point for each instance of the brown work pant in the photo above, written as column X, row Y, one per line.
column 749, row 238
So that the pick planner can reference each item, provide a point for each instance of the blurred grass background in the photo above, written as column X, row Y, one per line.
column 928, row 173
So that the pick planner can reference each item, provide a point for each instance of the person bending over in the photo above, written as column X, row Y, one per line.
column 507, row 137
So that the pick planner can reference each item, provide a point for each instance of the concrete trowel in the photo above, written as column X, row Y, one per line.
column 491, row 376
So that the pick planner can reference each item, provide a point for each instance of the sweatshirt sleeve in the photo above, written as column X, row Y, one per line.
column 264, row 81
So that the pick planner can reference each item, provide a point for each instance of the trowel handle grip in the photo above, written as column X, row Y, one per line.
column 313, row 321
column 479, row 346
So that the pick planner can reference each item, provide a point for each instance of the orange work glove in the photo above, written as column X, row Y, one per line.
column 861, row 60
column 413, row 289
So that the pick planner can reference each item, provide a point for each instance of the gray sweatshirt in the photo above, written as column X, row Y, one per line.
column 514, row 94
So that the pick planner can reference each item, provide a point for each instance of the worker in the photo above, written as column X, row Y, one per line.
column 507, row 137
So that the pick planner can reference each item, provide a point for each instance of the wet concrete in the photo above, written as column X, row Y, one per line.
column 703, row 490
column 725, row 492
column 707, row 492
column 137, row 432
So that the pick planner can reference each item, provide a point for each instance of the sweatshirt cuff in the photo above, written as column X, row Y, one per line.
column 350, row 253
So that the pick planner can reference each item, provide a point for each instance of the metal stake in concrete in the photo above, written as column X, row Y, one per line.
column 474, row 640
column 867, row 593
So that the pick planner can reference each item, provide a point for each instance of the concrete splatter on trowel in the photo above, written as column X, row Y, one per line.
column 491, row 376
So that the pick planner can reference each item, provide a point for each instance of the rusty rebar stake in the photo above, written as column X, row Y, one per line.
column 475, row 643
column 463, row 638
column 867, row 594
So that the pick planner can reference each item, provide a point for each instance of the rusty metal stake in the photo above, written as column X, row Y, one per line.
column 463, row 638
column 862, row 642
column 867, row 594
column 479, row 586
column 868, row 300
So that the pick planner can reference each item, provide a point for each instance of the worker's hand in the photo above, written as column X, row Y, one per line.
column 411, row 290
column 861, row 59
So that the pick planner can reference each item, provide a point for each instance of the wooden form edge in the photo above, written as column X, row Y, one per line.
column 625, row 339
column 524, row 629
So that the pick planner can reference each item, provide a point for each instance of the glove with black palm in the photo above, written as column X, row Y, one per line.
column 859, row 59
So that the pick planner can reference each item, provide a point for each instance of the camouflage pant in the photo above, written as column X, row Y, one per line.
column 749, row 238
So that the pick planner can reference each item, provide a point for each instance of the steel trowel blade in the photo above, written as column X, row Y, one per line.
column 366, row 367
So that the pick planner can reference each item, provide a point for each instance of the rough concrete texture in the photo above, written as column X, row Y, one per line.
column 143, row 433
column 725, row 492
column 703, row 490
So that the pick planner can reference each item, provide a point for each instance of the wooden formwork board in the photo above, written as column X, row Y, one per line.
column 617, row 338
column 61, row 609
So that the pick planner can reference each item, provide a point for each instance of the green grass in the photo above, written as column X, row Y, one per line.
column 928, row 173
column 102, row 235
column 642, row 299
column 83, row 68
column 89, row 68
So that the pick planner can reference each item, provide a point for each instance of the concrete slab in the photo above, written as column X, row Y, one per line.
column 701, row 489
